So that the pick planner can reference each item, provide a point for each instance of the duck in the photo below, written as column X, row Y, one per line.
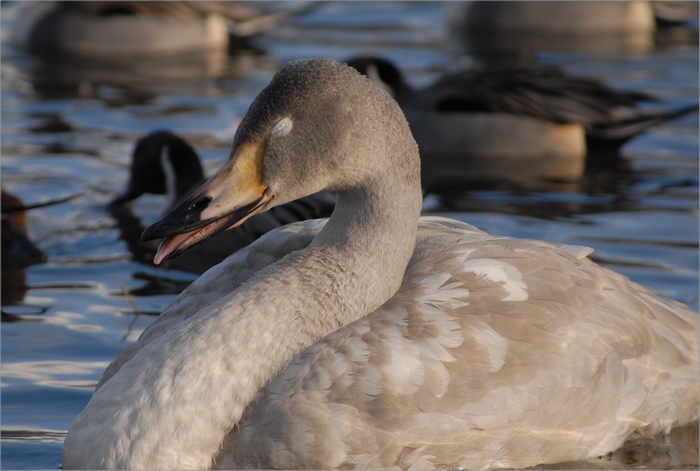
column 377, row 338
column 512, row 31
column 18, row 249
column 128, row 28
column 523, row 124
column 163, row 163
column 560, row 17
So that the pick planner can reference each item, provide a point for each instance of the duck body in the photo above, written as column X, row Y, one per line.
column 496, row 146
column 377, row 339
column 536, row 122
column 504, row 30
column 119, row 28
column 128, row 29
column 561, row 17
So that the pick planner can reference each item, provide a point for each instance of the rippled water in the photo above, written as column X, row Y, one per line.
column 68, row 128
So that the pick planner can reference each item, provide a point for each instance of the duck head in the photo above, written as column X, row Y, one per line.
column 162, row 164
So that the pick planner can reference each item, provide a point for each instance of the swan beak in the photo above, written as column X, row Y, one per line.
column 231, row 196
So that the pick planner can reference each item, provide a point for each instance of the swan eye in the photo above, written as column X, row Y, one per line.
column 282, row 127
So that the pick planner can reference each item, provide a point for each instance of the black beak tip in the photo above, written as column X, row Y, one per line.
column 124, row 197
column 151, row 233
column 184, row 218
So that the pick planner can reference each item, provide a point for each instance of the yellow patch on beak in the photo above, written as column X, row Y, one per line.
column 246, row 167
column 237, row 183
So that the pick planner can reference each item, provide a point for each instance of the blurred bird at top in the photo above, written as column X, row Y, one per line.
column 136, row 46
column 141, row 28
column 509, row 32
column 514, row 124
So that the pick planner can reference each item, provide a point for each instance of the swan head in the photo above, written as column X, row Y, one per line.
column 319, row 125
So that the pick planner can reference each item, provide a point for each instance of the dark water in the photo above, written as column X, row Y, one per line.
column 68, row 128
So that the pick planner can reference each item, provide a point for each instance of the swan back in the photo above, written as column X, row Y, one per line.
column 495, row 352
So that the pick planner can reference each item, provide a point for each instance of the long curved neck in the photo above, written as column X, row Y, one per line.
column 172, row 404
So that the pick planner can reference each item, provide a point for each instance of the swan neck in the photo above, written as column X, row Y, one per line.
column 187, row 389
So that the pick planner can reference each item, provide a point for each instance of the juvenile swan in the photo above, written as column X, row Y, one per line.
column 378, row 339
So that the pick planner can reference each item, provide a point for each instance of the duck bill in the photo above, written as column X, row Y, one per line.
column 129, row 194
column 226, row 200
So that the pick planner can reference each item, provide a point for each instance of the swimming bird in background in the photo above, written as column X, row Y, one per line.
column 163, row 163
column 377, row 338
column 515, row 123
column 139, row 28
column 18, row 250
column 514, row 32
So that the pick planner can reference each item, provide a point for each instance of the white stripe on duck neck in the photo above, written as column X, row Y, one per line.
column 171, row 190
